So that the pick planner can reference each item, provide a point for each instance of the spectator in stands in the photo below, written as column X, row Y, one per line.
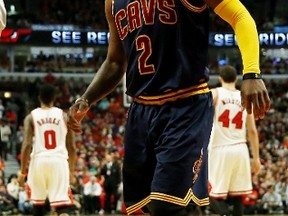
column 92, row 192
column 77, row 191
column 285, row 142
column 25, row 205
column 6, row 202
column 281, row 187
column 2, row 165
column 6, row 132
column 13, row 188
column 2, row 177
column 112, row 177
column 19, row 140
column 2, row 109
column 271, row 201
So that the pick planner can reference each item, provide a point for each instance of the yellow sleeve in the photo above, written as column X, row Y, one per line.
column 233, row 12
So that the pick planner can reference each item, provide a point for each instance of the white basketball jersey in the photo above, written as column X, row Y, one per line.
column 49, row 132
column 229, row 125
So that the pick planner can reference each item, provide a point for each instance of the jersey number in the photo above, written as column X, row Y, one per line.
column 50, row 139
column 237, row 119
column 143, row 44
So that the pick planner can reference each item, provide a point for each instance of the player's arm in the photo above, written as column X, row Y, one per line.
column 254, row 143
column 26, row 148
column 113, row 68
column 234, row 12
column 214, row 95
column 253, row 90
column 106, row 78
column 3, row 15
column 71, row 148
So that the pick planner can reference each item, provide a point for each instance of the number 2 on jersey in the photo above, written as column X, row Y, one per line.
column 50, row 139
column 143, row 44
column 225, row 119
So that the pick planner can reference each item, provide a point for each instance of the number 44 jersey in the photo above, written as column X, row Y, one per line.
column 229, row 125
column 49, row 132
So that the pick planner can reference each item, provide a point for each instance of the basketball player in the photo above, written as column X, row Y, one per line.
column 51, row 142
column 229, row 160
column 2, row 16
column 162, row 46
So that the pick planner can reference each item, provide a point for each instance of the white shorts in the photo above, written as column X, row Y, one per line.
column 229, row 171
column 49, row 177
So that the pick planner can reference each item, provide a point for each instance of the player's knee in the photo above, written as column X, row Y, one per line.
column 161, row 208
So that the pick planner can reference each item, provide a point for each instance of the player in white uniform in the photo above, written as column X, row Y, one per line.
column 3, row 15
column 229, row 159
column 51, row 142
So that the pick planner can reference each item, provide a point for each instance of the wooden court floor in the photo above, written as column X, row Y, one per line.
column 201, row 215
column 149, row 215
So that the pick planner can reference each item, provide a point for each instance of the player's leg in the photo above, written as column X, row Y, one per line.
column 181, row 172
column 59, row 191
column 219, row 206
column 39, row 210
column 139, row 160
column 241, row 179
column 62, row 211
column 221, row 170
column 157, row 207
column 194, row 209
column 238, row 208
column 36, row 185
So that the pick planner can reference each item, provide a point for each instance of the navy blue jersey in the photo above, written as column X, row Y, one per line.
column 165, row 42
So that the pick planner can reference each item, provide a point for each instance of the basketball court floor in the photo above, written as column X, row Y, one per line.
column 203, row 214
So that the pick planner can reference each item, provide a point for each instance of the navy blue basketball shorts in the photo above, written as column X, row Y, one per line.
column 166, row 152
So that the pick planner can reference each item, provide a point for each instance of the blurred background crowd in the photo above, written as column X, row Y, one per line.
column 97, row 184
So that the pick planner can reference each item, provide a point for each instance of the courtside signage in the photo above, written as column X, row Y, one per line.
column 91, row 38
column 54, row 38
column 274, row 39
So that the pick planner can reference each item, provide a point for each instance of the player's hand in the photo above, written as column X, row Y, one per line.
column 255, row 98
column 255, row 166
column 21, row 179
column 75, row 115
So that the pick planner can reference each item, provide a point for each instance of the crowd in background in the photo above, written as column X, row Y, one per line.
column 102, row 142
column 78, row 64
column 90, row 14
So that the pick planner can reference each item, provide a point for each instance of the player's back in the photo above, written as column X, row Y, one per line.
column 165, row 43
column 229, row 125
column 49, row 132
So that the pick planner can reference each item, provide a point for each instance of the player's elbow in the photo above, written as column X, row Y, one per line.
column 234, row 12
column 252, row 133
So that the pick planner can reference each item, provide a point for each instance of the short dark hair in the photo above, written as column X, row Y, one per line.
column 47, row 93
column 228, row 73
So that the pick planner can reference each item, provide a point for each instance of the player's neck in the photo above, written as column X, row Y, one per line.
column 229, row 86
column 46, row 106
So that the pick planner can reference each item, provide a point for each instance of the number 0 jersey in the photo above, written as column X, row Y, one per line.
column 165, row 43
column 49, row 132
column 229, row 124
